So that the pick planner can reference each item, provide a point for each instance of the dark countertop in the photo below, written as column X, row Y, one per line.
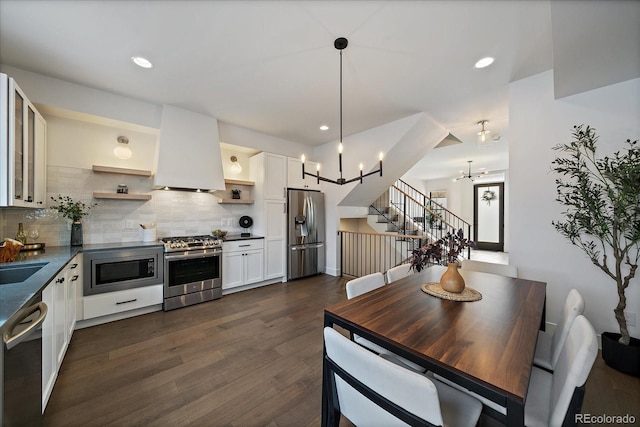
column 107, row 246
column 14, row 296
column 234, row 237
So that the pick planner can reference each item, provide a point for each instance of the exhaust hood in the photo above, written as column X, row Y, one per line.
column 189, row 151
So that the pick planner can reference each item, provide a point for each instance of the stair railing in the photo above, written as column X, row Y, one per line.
column 421, row 212
column 366, row 253
column 423, row 220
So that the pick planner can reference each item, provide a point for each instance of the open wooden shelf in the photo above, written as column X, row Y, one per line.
column 236, row 201
column 122, row 196
column 122, row 171
column 238, row 182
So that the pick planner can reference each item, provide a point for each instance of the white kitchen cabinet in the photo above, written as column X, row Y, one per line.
column 294, row 174
column 49, row 365
column 231, row 269
column 119, row 301
column 79, row 281
column 73, row 275
column 22, row 148
column 59, row 316
column 275, row 213
column 57, row 329
column 275, row 182
column 242, row 263
column 269, row 172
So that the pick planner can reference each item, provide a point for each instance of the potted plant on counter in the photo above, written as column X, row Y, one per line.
column 74, row 211
column 601, row 198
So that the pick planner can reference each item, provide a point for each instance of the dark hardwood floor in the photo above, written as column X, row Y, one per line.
column 249, row 359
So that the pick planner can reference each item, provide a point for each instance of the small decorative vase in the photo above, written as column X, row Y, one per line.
column 451, row 280
column 76, row 234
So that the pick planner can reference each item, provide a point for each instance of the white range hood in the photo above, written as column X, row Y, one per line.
column 189, row 151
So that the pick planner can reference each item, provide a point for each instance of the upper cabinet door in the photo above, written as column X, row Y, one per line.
column 275, row 176
column 23, row 147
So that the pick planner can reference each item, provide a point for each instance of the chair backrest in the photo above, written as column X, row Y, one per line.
column 573, row 307
column 490, row 267
column 574, row 364
column 413, row 392
column 364, row 284
column 398, row 272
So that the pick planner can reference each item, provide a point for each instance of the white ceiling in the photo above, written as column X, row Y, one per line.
column 270, row 66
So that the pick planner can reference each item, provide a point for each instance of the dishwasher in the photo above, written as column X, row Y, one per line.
column 21, row 403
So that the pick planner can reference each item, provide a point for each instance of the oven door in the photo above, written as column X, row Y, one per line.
column 189, row 272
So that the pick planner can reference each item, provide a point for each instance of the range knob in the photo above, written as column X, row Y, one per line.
column 172, row 245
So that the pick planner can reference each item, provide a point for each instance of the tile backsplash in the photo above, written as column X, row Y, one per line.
column 175, row 213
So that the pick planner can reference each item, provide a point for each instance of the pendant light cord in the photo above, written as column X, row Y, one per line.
column 340, row 97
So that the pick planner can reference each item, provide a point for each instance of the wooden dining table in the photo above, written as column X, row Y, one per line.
column 486, row 346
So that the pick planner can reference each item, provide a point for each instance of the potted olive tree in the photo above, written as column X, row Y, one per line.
column 601, row 197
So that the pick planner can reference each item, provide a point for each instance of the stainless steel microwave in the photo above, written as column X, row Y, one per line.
column 119, row 269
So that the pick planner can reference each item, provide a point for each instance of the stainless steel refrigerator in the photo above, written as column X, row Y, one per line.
column 305, row 233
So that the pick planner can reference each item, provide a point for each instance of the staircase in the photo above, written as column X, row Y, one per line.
column 406, row 211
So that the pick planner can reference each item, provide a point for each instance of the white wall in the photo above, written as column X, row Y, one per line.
column 74, row 143
column 537, row 123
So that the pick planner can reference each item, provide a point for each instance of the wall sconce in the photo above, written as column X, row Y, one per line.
column 235, row 166
column 122, row 150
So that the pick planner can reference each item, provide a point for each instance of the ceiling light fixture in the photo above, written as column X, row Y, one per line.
column 324, row 127
column 483, row 135
column 122, row 150
column 484, row 62
column 141, row 62
column 235, row 166
column 340, row 44
column 469, row 175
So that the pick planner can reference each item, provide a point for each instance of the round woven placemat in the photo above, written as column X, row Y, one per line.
column 468, row 294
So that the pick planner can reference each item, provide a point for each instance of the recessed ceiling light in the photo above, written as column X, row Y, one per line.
column 141, row 62
column 484, row 62
column 324, row 127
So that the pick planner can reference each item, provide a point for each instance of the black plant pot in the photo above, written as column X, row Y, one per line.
column 623, row 358
column 76, row 234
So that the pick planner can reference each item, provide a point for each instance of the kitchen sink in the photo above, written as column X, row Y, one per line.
column 18, row 273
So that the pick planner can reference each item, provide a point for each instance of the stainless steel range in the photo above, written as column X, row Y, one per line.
column 192, row 270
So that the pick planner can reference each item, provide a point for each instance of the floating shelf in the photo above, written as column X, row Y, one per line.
column 238, row 182
column 122, row 196
column 122, row 171
column 236, row 201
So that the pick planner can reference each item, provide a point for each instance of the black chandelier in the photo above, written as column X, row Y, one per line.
column 340, row 44
column 469, row 175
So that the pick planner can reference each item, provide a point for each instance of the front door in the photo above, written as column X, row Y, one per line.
column 488, row 216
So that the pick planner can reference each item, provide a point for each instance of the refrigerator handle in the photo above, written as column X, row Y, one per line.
column 284, row 208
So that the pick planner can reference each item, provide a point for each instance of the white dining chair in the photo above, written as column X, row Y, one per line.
column 362, row 285
column 398, row 272
column 554, row 397
column 549, row 345
column 490, row 267
column 371, row 391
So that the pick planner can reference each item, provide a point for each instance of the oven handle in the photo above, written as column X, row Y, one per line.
column 191, row 256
